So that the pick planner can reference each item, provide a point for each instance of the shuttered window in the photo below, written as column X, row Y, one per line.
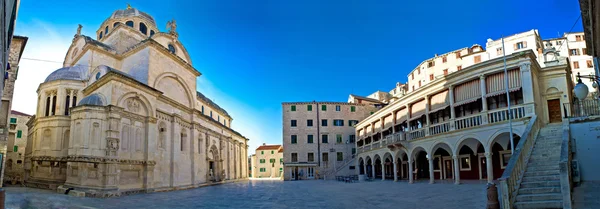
column 418, row 109
column 467, row 92
column 388, row 121
column 439, row 101
column 401, row 115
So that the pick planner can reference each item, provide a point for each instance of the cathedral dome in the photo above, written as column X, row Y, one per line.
column 68, row 73
column 93, row 99
column 132, row 12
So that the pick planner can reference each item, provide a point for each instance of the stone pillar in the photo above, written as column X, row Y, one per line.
column 456, row 170
column 395, row 169
column 426, row 125
column 51, row 104
column 452, row 112
column 73, row 94
column 483, row 92
column 431, row 176
column 490, row 170
column 407, row 117
column 382, row 170
column 393, row 122
column 365, row 169
column 61, row 101
column 410, row 170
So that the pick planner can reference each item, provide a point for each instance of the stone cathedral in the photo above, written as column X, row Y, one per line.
column 123, row 116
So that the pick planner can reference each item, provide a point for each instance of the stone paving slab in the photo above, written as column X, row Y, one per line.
column 273, row 194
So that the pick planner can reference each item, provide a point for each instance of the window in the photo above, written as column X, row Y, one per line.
column 338, row 108
column 294, row 123
column 129, row 23
column 413, row 76
column 352, row 109
column 262, row 161
column 263, row 170
column 219, row 118
column 558, row 42
column 294, row 157
column 311, row 157
column 324, row 107
column 477, row 59
column 338, row 138
column 294, row 139
column 458, row 67
column 436, row 163
column 19, row 133
column 584, row 51
column 338, row 122
column 171, row 48
column 413, row 87
column 115, row 24
column 309, row 123
column 13, row 120
column 353, row 151
column 579, row 38
column 465, row 163
column 574, row 52
column 352, row 138
column 372, row 113
column 106, row 30
column 151, row 32
column 576, row 65
column 589, row 63
column 211, row 114
column 499, row 51
column 419, row 83
column 143, row 28
column 272, row 152
column 444, row 59
column 351, row 167
column 457, row 55
column 445, row 72
column 431, row 77
column 352, row 122
column 519, row 45
column 324, row 122
column 325, row 157
column 15, row 148
column 308, row 107
column 340, row 156
column 309, row 139
column 272, row 160
column 504, row 158
column 324, row 139
column 100, row 36
column 429, row 64
column 293, row 108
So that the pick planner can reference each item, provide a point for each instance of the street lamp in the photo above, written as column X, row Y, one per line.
column 581, row 91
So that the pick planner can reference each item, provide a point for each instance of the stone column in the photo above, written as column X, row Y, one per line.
column 73, row 94
column 365, row 169
column 408, row 117
column 410, row 170
column 382, row 170
column 373, row 169
column 61, row 101
column 395, row 169
column 452, row 112
column 426, row 125
column 394, row 122
column 51, row 104
column 431, row 176
column 490, row 170
column 483, row 92
column 456, row 170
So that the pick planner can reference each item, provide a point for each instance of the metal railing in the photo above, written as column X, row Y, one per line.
column 467, row 122
column 513, row 174
column 439, row 128
column 588, row 107
column 399, row 136
column 502, row 115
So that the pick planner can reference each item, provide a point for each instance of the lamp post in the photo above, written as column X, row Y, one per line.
column 581, row 91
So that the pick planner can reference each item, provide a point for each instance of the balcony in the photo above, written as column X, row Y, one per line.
column 471, row 121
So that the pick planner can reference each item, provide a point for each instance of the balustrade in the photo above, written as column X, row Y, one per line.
column 419, row 133
column 467, row 122
column 502, row 115
column 439, row 128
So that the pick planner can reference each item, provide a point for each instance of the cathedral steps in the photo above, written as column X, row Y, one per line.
column 540, row 186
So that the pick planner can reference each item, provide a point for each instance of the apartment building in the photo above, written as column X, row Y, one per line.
column 319, row 137
column 267, row 162
column 17, row 146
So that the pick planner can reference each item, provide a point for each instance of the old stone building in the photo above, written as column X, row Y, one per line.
column 17, row 142
column 267, row 162
column 319, row 138
column 123, row 116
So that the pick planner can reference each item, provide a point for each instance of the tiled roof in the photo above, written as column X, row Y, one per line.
column 268, row 147
column 14, row 112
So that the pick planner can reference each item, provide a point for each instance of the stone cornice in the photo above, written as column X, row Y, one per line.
column 113, row 76
column 91, row 159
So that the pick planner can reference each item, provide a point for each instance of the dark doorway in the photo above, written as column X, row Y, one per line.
column 554, row 111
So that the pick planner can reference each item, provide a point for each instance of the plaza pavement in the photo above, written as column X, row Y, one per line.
column 274, row 194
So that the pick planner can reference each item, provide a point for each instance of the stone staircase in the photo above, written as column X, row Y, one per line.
column 540, row 187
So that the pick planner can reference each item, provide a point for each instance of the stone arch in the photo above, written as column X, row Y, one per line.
column 416, row 149
column 468, row 139
column 172, row 81
column 492, row 139
column 133, row 100
column 552, row 90
column 441, row 145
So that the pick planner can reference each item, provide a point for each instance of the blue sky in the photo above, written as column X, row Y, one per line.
column 255, row 54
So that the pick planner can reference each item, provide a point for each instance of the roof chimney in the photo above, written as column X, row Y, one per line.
column 264, row 144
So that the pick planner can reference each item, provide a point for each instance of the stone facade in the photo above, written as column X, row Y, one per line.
column 17, row 144
column 16, row 50
column 317, row 156
column 123, row 116
column 456, row 126
column 267, row 162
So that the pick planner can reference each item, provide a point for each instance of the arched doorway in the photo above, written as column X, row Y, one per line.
column 214, row 165
column 468, row 153
column 443, row 167
column 361, row 166
column 377, row 166
column 420, row 164
column 501, row 152
column 388, row 166
column 369, row 167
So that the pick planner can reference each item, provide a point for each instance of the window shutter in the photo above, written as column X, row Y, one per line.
column 524, row 44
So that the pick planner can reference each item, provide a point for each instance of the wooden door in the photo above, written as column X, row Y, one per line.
column 554, row 111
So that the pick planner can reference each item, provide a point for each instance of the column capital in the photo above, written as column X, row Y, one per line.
column 482, row 76
column 488, row 155
column 525, row 66
column 454, row 157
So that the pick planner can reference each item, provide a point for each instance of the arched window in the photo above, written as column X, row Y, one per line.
column 100, row 36
column 67, row 105
column 115, row 25
column 162, row 135
column 129, row 23
column 97, row 75
column 48, row 106
column 171, row 48
column 151, row 32
column 53, row 110
column 74, row 101
column 106, row 30
column 183, row 139
column 143, row 28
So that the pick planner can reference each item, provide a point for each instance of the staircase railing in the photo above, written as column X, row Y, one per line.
column 565, row 166
column 340, row 166
column 513, row 174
